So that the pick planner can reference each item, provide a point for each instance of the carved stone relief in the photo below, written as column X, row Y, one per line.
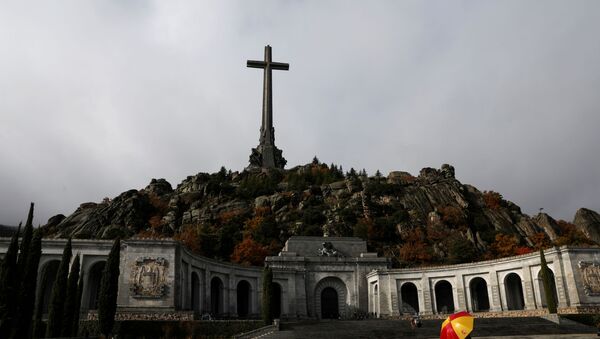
column 148, row 278
column 590, row 271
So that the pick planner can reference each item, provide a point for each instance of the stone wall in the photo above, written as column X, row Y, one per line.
column 499, row 285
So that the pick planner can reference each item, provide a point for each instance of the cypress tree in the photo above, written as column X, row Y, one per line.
column 8, row 286
column 267, row 296
column 25, row 241
column 71, row 299
column 28, row 287
column 109, row 288
column 59, row 292
column 77, row 308
column 548, row 284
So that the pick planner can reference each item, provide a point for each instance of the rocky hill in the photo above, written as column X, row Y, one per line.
column 415, row 220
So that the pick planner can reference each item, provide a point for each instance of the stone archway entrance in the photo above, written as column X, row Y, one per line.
column 329, row 293
column 195, row 292
column 276, row 300
column 410, row 298
column 243, row 299
column 93, row 286
column 329, row 304
column 480, row 301
column 444, row 299
column 514, row 292
column 48, row 277
column 552, row 286
column 216, row 296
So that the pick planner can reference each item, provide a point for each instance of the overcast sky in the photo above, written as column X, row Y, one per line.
column 98, row 97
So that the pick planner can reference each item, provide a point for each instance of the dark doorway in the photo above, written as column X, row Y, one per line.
column 276, row 301
column 195, row 292
column 216, row 296
column 243, row 298
column 329, row 303
column 552, row 286
column 479, row 295
column 95, row 276
column 514, row 292
column 443, row 297
column 47, row 282
column 410, row 298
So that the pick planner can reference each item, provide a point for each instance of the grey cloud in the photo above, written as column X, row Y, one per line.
column 99, row 97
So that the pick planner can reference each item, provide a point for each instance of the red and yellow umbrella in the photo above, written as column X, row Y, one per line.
column 457, row 326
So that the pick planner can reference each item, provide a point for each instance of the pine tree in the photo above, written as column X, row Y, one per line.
column 71, row 299
column 28, row 287
column 59, row 292
column 548, row 284
column 8, row 286
column 267, row 296
column 77, row 308
column 109, row 288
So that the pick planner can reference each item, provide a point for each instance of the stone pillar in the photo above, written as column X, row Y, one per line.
column 503, row 299
column 570, row 287
column 528, row 289
column 425, row 297
column 461, row 302
column 559, row 278
column 301, row 304
column 394, row 296
column 383, row 297
column 207, row 300
column 254, row 299
column 494, row 293
column 230, row 295
column 293, row 296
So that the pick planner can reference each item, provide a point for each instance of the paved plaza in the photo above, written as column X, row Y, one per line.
column 384, row 329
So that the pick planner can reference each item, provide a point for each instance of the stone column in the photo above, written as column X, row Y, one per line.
column 559, row 278
column 425, row 297
column 494, row 293
column 394, row 296
column 461, row 302
column 383, row 296
column 570, row 284
column 207, row 300
column 230, row 295
column 528, row 289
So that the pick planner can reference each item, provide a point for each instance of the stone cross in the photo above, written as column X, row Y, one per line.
column 266, row 155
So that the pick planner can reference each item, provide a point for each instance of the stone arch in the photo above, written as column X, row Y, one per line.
column 216, row 296
column 375, row 307
column 444, row 298
column 94, row 276
column 480, row 301
column 543, row 290
column 276, row 300
column 243, row 298
column 48, row 274
column 340, row 289
column 514, row 292
column 409, row 298
column 195, row 292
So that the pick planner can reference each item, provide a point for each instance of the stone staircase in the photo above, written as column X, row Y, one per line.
column 380, row 329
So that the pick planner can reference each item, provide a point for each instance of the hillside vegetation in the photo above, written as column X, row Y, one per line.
column 242, row 217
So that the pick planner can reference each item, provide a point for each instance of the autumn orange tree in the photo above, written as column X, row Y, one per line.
column 249, row 252
column 414, row 250
column 504, row 245
column 571, row 235
column 493, row 200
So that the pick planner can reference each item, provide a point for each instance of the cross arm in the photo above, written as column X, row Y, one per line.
column 256, row 64
column 280, row 66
